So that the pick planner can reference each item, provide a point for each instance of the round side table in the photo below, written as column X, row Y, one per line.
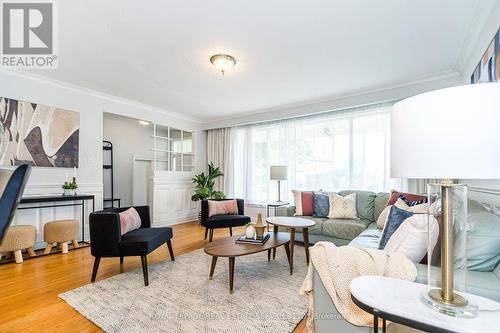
column 292, row 223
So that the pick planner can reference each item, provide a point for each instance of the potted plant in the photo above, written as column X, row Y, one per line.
column 205, row 185
column 70, row 188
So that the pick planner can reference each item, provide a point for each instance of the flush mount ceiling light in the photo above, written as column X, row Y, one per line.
column 222, row 62
column 144, row 122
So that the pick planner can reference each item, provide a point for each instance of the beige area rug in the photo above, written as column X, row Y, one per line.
column 180, row 298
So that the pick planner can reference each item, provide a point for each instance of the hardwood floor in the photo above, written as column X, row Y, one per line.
column 28, row 295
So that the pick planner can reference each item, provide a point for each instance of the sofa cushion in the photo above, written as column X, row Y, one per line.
column 316, row 229
column 344, row 228
column 226, row 221
column 303, row 201
column 143, row 241
column 395, row 218
column 368, row 238
column 364, row 203
column 342, row 207
column 321, row 204
column 483, row 241
column 379, row 203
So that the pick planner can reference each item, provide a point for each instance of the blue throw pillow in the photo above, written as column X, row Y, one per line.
column 394, row 220
column 321, row 204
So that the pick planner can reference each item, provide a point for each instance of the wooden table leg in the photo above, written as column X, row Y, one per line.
column 287, row 249
column 231, row 274
column 305, row 235
column 212, row 268
column 268, row 255
column 292, row 243
column 275, row 230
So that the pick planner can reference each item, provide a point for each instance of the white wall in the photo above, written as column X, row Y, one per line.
column 487, row 191
column 90, row 105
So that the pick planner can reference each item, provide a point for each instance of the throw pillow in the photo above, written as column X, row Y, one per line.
column 409, row 196
column 303, row 201
column 382, row 218
column 412, row 202
column 222, row 207
column 417, row 209
column 410, row 239
column 321, row 204
column 129, row 220
column 394, row 220
column 342, row 207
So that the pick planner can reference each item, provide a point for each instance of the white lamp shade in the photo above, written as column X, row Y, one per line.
column 279, row 172
column 448, row 133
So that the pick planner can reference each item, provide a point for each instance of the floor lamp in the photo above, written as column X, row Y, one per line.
column 449, row 134
column 279, row 173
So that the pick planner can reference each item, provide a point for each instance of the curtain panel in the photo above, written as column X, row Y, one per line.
column 221, row 145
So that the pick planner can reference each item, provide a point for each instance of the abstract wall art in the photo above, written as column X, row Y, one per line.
column 488, row 69
column 38, row 135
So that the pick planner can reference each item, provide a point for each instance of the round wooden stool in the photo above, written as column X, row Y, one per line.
column 61, row 231
column 18, row 238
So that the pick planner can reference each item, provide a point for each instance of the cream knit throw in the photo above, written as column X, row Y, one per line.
column 338, row 266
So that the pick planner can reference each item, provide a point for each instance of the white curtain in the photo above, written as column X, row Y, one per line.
column 346, row 149
column 418, row 186
column 220, row 151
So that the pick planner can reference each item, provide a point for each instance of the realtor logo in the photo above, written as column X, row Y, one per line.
column 28, row 35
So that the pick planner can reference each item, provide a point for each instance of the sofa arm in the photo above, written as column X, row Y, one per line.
column 105, row 234
column 285, row 211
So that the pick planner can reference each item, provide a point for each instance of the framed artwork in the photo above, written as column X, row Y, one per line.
column 488, row 69
column 38, row 135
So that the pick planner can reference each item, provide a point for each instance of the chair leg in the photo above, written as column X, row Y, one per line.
column 64, row 246
column 211, row 237
column 170, row 250
column 144, row 262
column 206, row 233
column 18, row 255
column 230, row 231
column 75, row 244
column 96, row 267
column 48, row 248
column 31, row 252
column 121, row 260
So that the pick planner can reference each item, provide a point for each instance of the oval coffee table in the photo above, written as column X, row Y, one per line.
column 227, row 247
column 292, row 223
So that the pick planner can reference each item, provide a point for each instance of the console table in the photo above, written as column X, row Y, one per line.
column 399, row 301
column 51, row 201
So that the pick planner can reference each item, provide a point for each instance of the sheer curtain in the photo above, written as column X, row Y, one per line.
column 220, row 152
column 346, row 149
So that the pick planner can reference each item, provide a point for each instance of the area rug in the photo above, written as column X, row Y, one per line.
column 181, row 298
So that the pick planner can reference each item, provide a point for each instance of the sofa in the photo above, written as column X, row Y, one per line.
column 483, row 252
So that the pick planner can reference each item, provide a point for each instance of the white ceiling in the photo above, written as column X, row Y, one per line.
column 287, row 51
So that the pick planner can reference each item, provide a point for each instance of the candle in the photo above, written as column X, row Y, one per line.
column 74, row 172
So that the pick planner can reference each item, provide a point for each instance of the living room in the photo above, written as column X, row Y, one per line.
column 233, row 167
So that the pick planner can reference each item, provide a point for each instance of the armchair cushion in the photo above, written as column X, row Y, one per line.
column 221, row 207
column 142, row 241
column 226, row 221
column 129, row 220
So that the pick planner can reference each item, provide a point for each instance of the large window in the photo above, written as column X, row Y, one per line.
column 335, row 151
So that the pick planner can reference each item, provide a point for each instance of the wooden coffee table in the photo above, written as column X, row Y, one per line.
column 292, row 223
column 226, row 247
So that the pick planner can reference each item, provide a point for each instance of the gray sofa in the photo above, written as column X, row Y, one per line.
column 483, row 252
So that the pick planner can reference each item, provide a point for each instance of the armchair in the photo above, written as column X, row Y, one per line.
column 107, row 241
column 222, row 221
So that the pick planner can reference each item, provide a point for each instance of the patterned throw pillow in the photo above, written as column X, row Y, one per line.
column 303, row 201
column 321, row 204
column 412, row 203
column 342, row 207
column 222, row 207
column 129, row 220
column 409, row 196
column 416, row 209
column 394, row 220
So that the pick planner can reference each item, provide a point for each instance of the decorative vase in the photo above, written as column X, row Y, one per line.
column 68, row 192
column 250, row 232
column 259, row 226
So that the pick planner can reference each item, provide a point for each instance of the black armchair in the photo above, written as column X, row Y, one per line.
column 222, row 221
column 106, row 239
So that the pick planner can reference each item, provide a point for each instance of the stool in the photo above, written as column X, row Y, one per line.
column 17, row 238
column 61, row 232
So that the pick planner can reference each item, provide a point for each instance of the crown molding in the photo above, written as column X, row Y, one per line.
column 367, row 97
column 94, row 93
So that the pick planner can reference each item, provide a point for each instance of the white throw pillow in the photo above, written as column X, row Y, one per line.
column 410, row 239
column 417, row 209
column 342, row 207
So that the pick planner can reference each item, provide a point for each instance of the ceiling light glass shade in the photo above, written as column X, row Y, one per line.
column 144, row 122
column 222, row 62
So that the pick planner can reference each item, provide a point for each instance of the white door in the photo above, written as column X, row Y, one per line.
column 142, row 169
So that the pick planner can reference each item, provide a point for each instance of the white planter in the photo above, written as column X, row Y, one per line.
column 250, row 232
column 68, row 192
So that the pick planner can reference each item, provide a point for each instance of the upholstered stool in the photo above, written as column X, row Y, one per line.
column 18, row 238
column 61, row 232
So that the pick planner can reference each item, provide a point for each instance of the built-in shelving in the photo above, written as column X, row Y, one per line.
column 173, row 149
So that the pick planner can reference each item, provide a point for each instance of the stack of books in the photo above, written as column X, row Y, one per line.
column 258, row 241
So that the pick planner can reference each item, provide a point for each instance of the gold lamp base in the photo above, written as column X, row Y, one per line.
column 457, row 300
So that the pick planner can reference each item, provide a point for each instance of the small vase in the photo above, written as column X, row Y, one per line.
column 250, row 232
column 259, row 227
column 68, row 192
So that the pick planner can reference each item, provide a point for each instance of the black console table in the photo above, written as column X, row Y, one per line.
column 51, row 201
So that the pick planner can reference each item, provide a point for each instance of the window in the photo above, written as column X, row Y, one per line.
column 338, row 150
